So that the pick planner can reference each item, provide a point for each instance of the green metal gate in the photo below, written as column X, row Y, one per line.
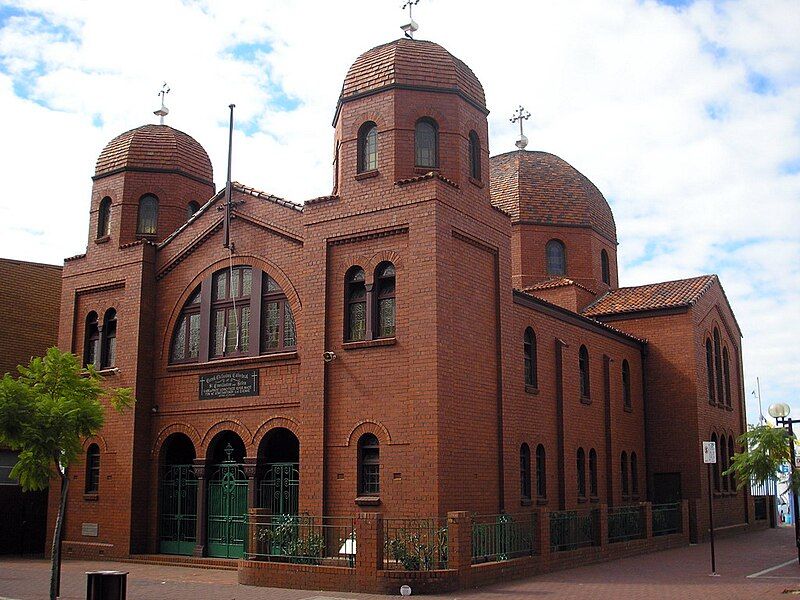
column 279, row 488
column 177, row 510
column 227, row 510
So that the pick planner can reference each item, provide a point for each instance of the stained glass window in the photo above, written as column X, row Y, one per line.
column 710, row 371
column 289, row 333
column 148, row 215
column 91, row 345
column 368, row 147
column 583, row 367
column 604, row 267
column 186, row 339
column 104, row 218
column 277, row 321
column 556, row 258
column 425, row 143
column 109, row 358
column 474, row 155
column 356, row 326
column 369, row 465
column 385, row 280
column 529, row 351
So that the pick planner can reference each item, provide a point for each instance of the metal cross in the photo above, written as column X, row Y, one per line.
column 521, row 115
column 163, row 111
column 228, row 451
column 412, row 26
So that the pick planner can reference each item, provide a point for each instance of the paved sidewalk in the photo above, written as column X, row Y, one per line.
column 751, row 566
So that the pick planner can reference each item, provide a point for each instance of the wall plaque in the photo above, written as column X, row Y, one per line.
column 89, row 529
column 230, row 384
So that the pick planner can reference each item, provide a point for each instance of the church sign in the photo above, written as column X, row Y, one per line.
column 230, row 384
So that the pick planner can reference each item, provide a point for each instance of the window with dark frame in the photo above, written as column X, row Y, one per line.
column 710, row 371
column 191, row 209
column 626, row 384
column 593, row 473
column 583, row 367
column 186, row 338
column 356, row 305
column 581, row 471
column 623, row 472
column 718, row 366
column 92, row 469
column 108, row 357
column 525, row 472
column 634, row 474
column 368, row 465
column 474, row 156
column 529, row 350
column 556, row 258
column 147, row 221
column 104, row 218
column 367, row 147
column 726, row 371
column 278, row 331
column 91, row 343
column 541, row 472
column 230, row 312
column 604, row 267
column 426, row 142
column 385, row 300
column 715, row 466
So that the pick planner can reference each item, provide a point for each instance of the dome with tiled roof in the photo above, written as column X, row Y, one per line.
column 539, row 187
column 155, row 147
column 412, row 63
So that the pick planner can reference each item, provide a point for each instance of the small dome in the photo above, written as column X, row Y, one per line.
column 542, row 188
column 157, row 147
column 413, row 63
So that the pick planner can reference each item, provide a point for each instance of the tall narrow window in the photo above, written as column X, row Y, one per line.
column 634, row 474
column 191, row 209
column 426, row 143
column 92, row 469
column 368, row 465
column 723, row 462
column 529, row 349
column 715, row 466
column 104, row 218
column 583, row 367
column 230, row 312
column 726, row 371
column 710, row 371
column 556, row 258
column 355, row 305
column 367, row 147
column 525, row 472
column 731, row 477
column 278, row 330
column 541, row 472
column 581, row 471
column 109, row 354
column 718, row 366
column 148, row 215
column 626, row 384
column 623, row 474
column 386, row 309
column 91, row 340
column 474, row 156
column 593, row 473
column 186, row 338
column 604, row 268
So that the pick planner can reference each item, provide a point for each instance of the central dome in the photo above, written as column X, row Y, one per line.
column 413, row 63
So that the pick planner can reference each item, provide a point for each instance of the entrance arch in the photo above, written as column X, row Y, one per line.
column 227, row 496
column 279, row 472
column 177, row 496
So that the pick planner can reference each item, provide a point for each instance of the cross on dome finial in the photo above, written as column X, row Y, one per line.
column 410, row 27
column 521, row 115
column 163, row 111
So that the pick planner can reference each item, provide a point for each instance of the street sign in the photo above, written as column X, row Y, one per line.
column 709, row 453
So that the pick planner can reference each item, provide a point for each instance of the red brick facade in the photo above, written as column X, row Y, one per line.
column 445, row 395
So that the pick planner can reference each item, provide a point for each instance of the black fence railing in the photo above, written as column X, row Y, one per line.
column 626, row 523
column 302, row 539
column 573, row 529
column 503, row 536
column 415, row 544
column 667, row 519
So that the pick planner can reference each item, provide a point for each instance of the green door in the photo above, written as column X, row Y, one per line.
column 227, row 510
column 177, row 509
column 279, row 488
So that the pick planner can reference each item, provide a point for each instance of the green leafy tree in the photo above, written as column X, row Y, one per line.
column 45, row 414
column 766, row 448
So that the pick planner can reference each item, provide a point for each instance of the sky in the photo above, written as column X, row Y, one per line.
column 686, row 115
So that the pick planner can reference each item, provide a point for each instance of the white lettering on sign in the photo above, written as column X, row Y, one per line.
column 709, row 453
column 89, row 529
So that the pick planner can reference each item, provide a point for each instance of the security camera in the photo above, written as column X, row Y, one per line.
column 328, row 356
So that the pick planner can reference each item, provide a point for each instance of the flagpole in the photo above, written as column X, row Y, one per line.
column 228, row 186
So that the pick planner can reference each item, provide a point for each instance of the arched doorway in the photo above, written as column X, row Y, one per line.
column 279, row 472
column 227, row 496
column 177, row 496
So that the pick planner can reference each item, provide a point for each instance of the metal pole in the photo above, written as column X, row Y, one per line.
column 228, row 200
column 794, row 494
column 711, row 524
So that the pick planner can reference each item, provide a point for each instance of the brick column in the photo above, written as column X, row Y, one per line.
column 255, row 517
column 369, row 551
column 685, row 523
column 603, row 525
column 201, row 525
column 459, row 546
column 543, row 533
column 250, row 472
column 647, row 507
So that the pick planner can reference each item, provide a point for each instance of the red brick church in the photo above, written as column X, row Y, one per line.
column 443, row 331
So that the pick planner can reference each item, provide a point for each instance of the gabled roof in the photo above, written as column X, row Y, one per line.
column 653, row 296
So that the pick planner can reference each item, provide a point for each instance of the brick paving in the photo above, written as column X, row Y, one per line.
column 681, row 573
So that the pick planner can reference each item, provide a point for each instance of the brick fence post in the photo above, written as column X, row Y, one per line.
column 459, row 545
column 685, row 523
column 603, row 526
column 543, row 533
column 255, row 518
column 647, row 508
column 369, row 551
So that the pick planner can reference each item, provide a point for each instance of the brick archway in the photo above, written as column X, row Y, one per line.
column 369, row 426
column 167, row 431
column 233, row 425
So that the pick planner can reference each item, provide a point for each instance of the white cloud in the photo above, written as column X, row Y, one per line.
column 655, row 104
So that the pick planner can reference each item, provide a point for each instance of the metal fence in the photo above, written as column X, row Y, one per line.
column 573, row 529
column 502, row 537
column 626, row 523
column 415, row 544
column 667, row 519
column 302, row 539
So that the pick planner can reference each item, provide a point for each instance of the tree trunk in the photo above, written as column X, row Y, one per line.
column 55, row 565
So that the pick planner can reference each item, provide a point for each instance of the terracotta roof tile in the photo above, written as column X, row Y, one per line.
column 428, row 175
column 555, row 283
column 653, row 296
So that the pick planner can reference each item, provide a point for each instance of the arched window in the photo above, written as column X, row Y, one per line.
column 525, row 472
column 474, row 156
column 191, row 209
column 278, row 331
column 710, row 371
column 368, row 465
column 583, row 366
column 634, row 474
column 726, row 371
column 186, row 339
column 91, row 340
column 386, row 309
column 529, row 349
column 109, row 354
column 715, row 466
column 604, row 268
column 626, row 384
column 718, row 366
column 230, row 312
column 723, row 461
column 426, row 143
column 148, row 215
column 581, row 471
column 104, row 218
column 731, row 477
column 367, row 147
column 556, row 258
column 623, row 474
column 541, row 472
column 92, row 469
column 355, row 305
column 593, row 473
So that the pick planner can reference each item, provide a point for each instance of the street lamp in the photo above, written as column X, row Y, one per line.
column 780, row 412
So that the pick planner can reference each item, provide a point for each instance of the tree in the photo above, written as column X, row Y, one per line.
column 765, row 449
column 45, row 414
